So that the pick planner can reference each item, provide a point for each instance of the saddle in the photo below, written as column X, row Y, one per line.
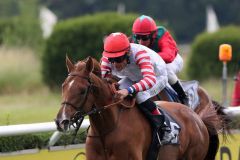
column 191, row 89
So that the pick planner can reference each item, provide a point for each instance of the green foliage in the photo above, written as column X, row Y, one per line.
column 31, row 141
column 15, row 143
column 24, row 28
column 79, row 38
column 186, row 18
column 20, row 69
column 5, row 24
column 204, row 63
column 9, row 8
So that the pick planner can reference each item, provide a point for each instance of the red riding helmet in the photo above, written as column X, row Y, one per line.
column 115, row 45
column 144, row 25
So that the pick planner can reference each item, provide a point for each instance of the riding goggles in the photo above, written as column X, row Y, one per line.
column 118, row 59
column 143, row 37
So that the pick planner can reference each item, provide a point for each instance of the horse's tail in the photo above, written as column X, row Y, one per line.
column 225, row 119
column 212, row 121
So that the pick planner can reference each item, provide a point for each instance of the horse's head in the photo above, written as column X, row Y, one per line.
column 77, row 93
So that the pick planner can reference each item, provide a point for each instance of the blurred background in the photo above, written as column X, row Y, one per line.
column 36, row 35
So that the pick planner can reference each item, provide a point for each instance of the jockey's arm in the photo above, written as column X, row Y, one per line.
column 168, row 47
column 105, row 67
column 147, row 70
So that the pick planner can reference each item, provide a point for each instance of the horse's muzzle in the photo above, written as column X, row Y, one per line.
column 62, row 125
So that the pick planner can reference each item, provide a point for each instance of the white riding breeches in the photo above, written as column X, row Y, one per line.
column 173, row 68
column 145, row 95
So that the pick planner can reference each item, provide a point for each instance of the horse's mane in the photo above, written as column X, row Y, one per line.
column 79, row 65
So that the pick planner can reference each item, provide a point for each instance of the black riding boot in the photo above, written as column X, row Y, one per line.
column 157, row 120
column 181, row 93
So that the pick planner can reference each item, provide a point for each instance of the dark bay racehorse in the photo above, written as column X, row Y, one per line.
column 120, row 133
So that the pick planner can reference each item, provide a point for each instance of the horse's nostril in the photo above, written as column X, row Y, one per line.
column 65, row 123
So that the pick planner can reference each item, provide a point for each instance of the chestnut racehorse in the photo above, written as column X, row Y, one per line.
column 204, row 102
column 120, row 133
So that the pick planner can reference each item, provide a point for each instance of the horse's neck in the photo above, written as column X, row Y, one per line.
column 106, row 119
column 104, row 122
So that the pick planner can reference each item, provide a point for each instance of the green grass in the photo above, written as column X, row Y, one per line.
column 19, row 71
column 23, row 96
column 214, row 88
column 41, row 106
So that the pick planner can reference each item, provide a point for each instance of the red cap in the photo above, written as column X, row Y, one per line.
column 116, row 45
column 144, row 25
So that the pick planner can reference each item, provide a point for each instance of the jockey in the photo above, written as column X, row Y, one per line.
column 145, row 32
column 141, row 70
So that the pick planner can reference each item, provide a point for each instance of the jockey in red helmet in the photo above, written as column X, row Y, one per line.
column 141, row 70
column 146, row 32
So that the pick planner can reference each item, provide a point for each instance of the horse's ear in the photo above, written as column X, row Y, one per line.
column 69, row 64
column 89, row 65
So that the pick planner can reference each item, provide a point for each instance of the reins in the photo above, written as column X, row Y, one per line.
column 78, row 117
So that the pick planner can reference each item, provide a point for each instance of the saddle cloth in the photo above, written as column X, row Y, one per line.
column 166, row 137
column 170, row 137
column 191, row 87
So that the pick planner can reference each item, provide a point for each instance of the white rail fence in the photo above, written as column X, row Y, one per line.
column 21, row 129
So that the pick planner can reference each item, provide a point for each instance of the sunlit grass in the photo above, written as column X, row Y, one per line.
column 23, row 96
column 20, row 70
column 40, row 106
column 214, row 88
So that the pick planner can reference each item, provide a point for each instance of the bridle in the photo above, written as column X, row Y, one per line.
column 78, row 117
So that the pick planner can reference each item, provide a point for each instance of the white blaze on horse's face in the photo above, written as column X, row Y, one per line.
column 64, row 111
column 70, row 84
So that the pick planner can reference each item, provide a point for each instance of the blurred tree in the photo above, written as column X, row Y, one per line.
column 227, row 11
column 22, row 26
column 9, row 8
column 187, row 18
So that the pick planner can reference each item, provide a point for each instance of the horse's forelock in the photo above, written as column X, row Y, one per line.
column 80, row 65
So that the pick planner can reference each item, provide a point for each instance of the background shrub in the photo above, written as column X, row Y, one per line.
column 40, row 140
column 204, row 63
column 79, row 38
column 21, row 27
column 4, row 24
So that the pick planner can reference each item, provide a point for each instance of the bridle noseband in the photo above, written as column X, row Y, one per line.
column 78, row 117
column 85, row 94
column 79, row 113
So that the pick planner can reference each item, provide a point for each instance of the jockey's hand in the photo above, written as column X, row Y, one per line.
column 121, row 94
